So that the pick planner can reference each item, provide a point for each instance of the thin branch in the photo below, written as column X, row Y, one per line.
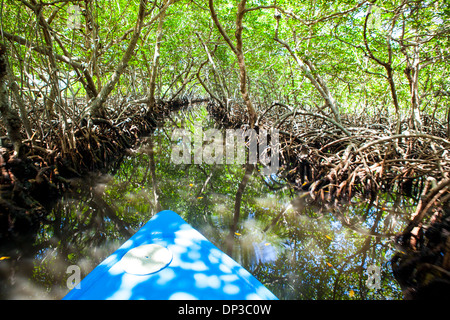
column 345, row 131
column 220, row 28
column 396, row 136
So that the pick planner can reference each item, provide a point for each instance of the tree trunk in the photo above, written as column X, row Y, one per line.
column 10, row 117
column 310, row 72
column 241, row 61
column 155, row 64
column 23, row 112
column 52, row 65
column 87, row 82
column 386, row 65
column 412, row 74
column 93, row 42
column 96, row 107
column 239, row 55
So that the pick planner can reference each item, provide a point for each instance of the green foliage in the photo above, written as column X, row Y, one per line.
column 330, row 35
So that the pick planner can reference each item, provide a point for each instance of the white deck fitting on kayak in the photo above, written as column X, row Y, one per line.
column 145, row 259
column 197, row 268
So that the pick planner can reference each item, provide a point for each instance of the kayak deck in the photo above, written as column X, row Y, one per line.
column 197, row 269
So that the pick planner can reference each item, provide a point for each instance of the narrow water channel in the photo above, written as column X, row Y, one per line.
column 298, row 249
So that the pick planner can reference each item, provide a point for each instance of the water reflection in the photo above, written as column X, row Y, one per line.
column 329, row 250
column 297, row 248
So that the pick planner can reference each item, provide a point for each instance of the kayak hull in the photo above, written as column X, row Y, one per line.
column 198, row 270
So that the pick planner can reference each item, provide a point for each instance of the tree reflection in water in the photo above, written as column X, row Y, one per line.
column 296, row 247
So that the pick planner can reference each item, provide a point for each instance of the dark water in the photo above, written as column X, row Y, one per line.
column 297, row 249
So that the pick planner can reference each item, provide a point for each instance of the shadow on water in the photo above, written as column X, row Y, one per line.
column 296, row 248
